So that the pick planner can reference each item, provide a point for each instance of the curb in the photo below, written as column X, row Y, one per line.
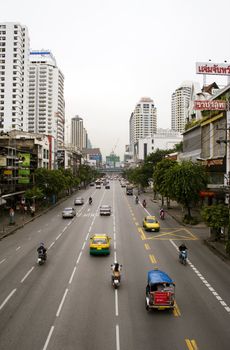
column 216, row 251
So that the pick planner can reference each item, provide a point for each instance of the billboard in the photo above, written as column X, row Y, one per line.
column 24, row 176
column 214, row 105
column 24, row 159
column 212, row 68
column 3, row 160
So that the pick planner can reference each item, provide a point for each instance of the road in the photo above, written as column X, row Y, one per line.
column 69, row 302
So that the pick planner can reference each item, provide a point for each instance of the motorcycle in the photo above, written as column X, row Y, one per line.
column 90, row 201
column 116, row 277
column 144, row 203
column 183, row 257
column 136, row 200
column 41, row 258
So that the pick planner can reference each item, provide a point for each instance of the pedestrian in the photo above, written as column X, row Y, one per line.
column 11, row 212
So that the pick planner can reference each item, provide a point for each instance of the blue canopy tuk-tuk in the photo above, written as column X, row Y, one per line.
column 160, row 291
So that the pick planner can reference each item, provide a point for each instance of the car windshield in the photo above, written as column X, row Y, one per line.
column 151, row 221
column 99, row 241
column 68, row 209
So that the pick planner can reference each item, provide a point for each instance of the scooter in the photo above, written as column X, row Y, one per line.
column 144, row 203
column 183, row 257
column 90, row 201
column 41, row 258
column 136, row 200
column 162, row 215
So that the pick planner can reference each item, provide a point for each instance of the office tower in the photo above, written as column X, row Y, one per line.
column 181, row 99
column 77, row 132
column 46, row 96
column 143, row 120
column 14, row 61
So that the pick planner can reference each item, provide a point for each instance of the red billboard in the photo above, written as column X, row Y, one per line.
column 213, row 105
column 212, row 68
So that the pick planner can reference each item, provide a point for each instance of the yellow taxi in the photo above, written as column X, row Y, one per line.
column 99, row 244
column 150, row 223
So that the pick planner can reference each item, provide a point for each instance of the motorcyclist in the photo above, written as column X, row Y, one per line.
column 90, row 200
column 182, row 248
column 162, row 213
column 42, row 250
column 144, row 203
column 116, row 268
column 136, row 199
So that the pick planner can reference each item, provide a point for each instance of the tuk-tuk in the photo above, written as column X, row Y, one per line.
column 160, row 291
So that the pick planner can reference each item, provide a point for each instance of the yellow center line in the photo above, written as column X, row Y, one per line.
column 191, row 344
column 143, row 237
column 152, row 258
column 147, row 247
column 176, row 311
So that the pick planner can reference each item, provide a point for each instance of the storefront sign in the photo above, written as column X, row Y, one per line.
column 214, row 105
column 212, row 68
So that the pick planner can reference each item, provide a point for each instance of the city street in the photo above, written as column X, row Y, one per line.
column 69, row 303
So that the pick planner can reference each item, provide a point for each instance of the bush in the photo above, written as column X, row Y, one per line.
column 190, row 220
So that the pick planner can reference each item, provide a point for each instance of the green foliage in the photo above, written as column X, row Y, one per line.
column 184, row 181
column 227, row 247
column 160, row 176
column 33, row 193
column 216, row 215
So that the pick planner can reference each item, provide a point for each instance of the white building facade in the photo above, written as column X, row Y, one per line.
column 180, row 102
column 164, row 139
column 14, row 62
column 143, row 121
column 46, row 96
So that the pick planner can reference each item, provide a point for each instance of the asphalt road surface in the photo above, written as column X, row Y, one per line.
column 69, row 303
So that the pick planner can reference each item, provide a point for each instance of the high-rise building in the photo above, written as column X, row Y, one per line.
column 77, row 132
column 14, row 61
column 46, row 96
column 181, row 99
column 143, row 120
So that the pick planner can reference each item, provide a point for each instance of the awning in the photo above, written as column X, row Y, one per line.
column 2, row 201
column 12, row 194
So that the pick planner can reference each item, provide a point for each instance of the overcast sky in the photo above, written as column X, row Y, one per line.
column 112, row 53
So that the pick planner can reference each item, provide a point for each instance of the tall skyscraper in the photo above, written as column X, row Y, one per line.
column 181, row 99
column 46, row 96
column 77, row 132
column 143, row 120
column 14, row 61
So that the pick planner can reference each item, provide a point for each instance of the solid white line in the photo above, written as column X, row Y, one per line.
column 18, row 248
column 58, row 236
column 71, row 278
column 83, row 246
column 116, row 302
column 206, row 283
column 51, row 245
column 62, row 302
column 48, row 338
column 7, row 298
column 2, row 261
column 87, row 236
column 117, row 338
column 64, row 229
column 79, row 257
column 27, row 274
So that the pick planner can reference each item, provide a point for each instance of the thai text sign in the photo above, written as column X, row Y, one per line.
column 212, row 68
column 213, row 105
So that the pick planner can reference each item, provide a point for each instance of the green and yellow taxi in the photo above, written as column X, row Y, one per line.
column 99, row 244
column 150, row 223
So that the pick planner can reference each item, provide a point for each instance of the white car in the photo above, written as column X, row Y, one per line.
column 98, row 186
column 68, row 213
column 105, row 210
column 79, row 201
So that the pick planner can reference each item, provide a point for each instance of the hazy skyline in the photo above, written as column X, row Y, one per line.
column 114, row 53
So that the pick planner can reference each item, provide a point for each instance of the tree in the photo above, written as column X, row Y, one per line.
column 215, row 216
column 160, row 177
column 184, row 181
